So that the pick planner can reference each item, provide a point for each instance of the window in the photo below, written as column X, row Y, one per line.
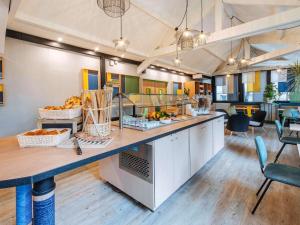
column 227, row 88
column 254, row 84
column 281, row 80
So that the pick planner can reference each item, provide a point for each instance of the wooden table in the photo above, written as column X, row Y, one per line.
column 24, row 167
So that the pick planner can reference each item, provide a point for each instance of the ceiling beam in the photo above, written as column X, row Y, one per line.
column 264, row 2
column 255, row 27
column 274, row 54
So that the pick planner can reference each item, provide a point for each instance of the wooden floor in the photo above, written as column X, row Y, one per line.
column 223, row 192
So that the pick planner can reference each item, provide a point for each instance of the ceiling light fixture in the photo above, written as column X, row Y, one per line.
column 96, row 49
column 121, row 44
column 177, row 60
column 202, row 36
column 231, row 60
column 186, row 38
column 114, row 8
column 243, row 61
column 60, row 39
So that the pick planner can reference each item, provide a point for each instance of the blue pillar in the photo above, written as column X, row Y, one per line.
column 44, row 202
column 24, row 205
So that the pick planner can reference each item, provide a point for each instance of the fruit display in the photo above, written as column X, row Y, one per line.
column 45, row 132
column 162, row 115
column 70, row 103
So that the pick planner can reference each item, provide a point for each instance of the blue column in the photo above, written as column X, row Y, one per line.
column 23, row 205
column 44, row 202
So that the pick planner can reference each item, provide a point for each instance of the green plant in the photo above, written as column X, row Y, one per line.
column 270, row 92
column 295, row 69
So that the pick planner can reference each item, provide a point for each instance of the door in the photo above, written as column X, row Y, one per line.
column 163, row 169
column 181, row 157
column 200, row 145
column 218, row 135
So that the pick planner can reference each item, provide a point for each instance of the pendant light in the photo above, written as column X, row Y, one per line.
column 121, row 44
column 187, row 37
column 114, row 8
column 243, row 60
column 177, row 60
column 231, row 60
column 202, row 36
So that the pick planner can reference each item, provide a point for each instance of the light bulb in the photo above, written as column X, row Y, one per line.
column 243, row 61
column 231, row 61
column 177, row 61
column 187, row 33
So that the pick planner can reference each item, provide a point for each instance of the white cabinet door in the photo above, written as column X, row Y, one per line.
column 218, row 134
column 200, row 145
column 181, row 158
column 163, row 169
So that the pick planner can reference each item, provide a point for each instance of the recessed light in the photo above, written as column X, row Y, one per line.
column 123, row 55
column 96, row 49
column 60, row 39
column 152, row 67
column 181, row 73
column 163, row 69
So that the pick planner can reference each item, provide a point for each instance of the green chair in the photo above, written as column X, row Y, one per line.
column 284, row 140
column 274, row 171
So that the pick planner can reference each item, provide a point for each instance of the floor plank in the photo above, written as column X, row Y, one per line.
column 223, row 192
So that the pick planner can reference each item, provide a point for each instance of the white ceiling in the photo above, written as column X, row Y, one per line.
column 148, row 24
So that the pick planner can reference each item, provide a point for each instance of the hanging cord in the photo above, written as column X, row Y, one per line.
column 231, row 40
column 121, row 27
column 201, row 17
column 184, row 16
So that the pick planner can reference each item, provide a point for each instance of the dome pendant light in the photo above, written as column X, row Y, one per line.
column 121, row 44
column 114, row 8
column 202, row 35
column 186, row 39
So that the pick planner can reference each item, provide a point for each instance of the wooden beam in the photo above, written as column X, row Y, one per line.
column 264, row 2
column 255, row 27
column 144, row 65
column 274, row 54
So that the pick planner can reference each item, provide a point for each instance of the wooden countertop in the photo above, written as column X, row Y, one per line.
column 28, row 165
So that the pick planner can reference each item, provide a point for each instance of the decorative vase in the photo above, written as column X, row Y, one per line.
column 295, row 94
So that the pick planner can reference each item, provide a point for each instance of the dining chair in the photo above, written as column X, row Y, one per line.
column 238, row 123
column 285, row 140
column 273, row 171
column 257, row 120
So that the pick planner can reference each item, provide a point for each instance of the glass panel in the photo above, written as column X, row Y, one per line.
column 254, row 90
column 227, row 88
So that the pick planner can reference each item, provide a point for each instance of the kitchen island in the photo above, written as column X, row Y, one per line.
column 38, row 166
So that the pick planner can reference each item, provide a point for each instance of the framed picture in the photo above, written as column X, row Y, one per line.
column 1, row 68
column 1, row 94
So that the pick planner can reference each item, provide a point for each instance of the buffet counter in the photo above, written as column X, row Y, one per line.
column 38, row 166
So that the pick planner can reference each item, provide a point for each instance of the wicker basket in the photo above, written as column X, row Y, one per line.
column 97, row 107
column 43, row 140
column 60, row 114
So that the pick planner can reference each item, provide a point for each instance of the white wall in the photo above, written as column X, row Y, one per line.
column 151, row 74
column 36, row 76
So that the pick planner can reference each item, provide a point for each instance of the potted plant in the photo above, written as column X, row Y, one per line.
column 270, row 93
column 295, row 87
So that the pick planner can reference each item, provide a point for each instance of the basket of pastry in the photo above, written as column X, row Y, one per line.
column 71, row 109
column 43, row 137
